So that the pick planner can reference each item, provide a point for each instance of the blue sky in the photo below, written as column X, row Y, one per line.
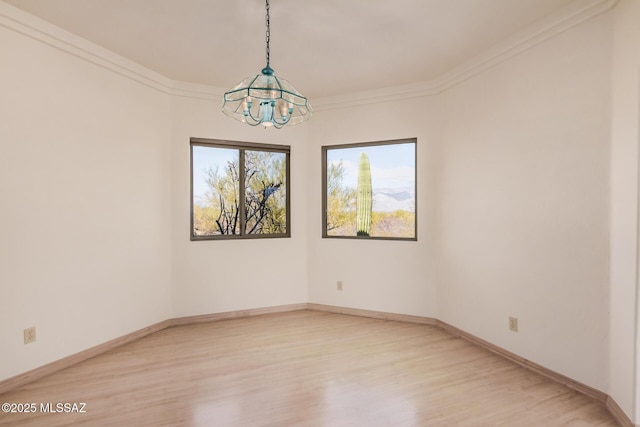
column 392, row 165
column 205, row 158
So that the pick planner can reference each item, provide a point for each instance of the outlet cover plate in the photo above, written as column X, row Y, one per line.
column 30, row 335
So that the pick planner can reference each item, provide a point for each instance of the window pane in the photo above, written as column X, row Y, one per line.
column 216, row 180
column 239, row 190
column 371, row 191
column 265, row 192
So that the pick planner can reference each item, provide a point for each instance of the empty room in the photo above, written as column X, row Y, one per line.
column 438, row 221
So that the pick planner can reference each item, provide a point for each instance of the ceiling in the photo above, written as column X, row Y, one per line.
column 324, row 47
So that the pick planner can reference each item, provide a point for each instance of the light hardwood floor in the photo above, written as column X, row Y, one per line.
column 304, row 368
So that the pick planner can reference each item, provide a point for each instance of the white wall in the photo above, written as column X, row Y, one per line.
column 219, row 276
column 523, row 214
column 513, row 202
column 625, row 137
column 84, row 204
column 513, row 195
column 391, row 276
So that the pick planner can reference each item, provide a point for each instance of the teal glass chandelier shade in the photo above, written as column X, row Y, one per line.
column 266, row 100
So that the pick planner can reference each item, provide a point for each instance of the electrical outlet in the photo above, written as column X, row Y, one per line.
column 30, row 335
column 339, row 285
column 513, row 324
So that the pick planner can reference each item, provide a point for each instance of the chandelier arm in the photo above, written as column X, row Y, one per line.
column 281, row 122
column 253, row 123
column 274, row 119
column 256, row 122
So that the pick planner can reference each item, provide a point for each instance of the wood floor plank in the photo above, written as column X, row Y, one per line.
column 304, row 368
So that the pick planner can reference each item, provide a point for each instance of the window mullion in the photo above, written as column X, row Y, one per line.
column 242, row 194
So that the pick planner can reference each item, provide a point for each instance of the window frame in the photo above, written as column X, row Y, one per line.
column 241, row 146
column 324, row 165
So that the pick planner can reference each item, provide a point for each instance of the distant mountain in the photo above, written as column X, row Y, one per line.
column 393, row 199
column 384, row 200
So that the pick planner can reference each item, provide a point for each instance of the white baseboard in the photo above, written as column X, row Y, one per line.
column 50, row 368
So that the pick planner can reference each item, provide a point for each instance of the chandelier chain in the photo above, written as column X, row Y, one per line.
column 268, row 34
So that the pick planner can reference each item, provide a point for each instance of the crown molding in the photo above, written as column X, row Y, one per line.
column 554, row 24
column 38, row 29
column 194, row 90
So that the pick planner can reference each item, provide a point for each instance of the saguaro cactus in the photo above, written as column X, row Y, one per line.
column 364, row 198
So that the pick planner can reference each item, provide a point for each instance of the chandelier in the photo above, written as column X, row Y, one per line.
column 265, row 99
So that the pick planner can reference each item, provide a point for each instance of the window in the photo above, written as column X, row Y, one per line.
column 223, row 209
column 369, row 190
